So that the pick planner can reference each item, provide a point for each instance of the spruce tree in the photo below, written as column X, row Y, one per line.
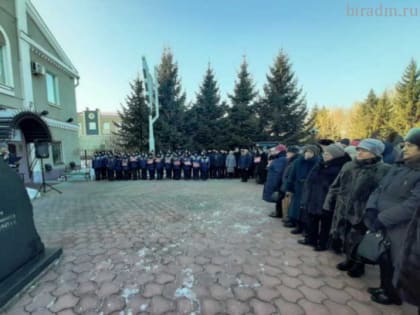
column 283, row 107
column 368, row 112
column 207, row 112
column 406, row 111
column 133, row 133
column 242, row 120
column 382, row 116
column 169, row 127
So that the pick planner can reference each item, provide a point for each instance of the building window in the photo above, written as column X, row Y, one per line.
column 52, row 88
column 57, row 153
column 6, row 75
column 92, row 126
column 107, row 128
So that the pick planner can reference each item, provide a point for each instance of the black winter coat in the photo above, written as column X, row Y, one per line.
column 318, row 182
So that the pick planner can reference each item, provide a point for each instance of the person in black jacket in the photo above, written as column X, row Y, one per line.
column 315, row 190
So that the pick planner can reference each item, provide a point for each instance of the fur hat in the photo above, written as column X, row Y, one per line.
column 313, row 148
column 413, row 136
column 374, row 146
column 325, row 141
column 293, row 149
column 335, row 150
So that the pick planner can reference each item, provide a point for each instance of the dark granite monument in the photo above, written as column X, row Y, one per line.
column 22, row 253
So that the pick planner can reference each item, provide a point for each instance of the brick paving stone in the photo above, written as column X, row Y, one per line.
column 313, row 295
column 152, row 289
column 291, row 295
column 112, row 304
column 243, row 294
column 234, row 307
column 66, row 287
column 202, row 260
column 291, row 271
column 184, row 306
column 363, row 309
column 164, row 278
column 359, row 295
column 337, row 283
column 267, row 294
column 137, row 303
column 269, row 281
column 107, row 289
column 287, row 308
column 211, row 307
column 43, row 287
column 338, row 309
column 88, row 303
column 39, row 301
column 335, row 295
column 220, row 293
column 160, row 305
column 291, row 282
column 65, row 301
column 311, row 282
column 262, row 308
column 64, row 312
column 314, row 308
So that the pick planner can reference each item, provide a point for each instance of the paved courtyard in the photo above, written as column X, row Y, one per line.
column 182, row 248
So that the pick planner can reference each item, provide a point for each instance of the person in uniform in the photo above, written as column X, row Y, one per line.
column 177, row 165
column 118, row 167
column 204, row 166
column 151, row 166
column 96, row 165
column 168, row 164
column 244, row 164
column 143, row 166
column 110, row 166
column 104, row 162
column 134, row 166
column 160, row 165
column 186, row 165
column 196, row 166
column 230, row 164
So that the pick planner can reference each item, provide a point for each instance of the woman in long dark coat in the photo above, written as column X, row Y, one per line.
column 315, row 190
column 391, row 207
column 300, row 171
column 274, row 179
column 347, row 198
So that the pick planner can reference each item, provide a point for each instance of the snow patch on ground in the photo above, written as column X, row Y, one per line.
column 142, row 252
column 128, row 292
column 185, row 290
column 241, row 228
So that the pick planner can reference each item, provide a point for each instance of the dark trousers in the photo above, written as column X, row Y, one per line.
column 386, row 273
column 353, row 237
column 144, row 173
column 134, row 173
column 204, row 174
column 177, row 173
column 187, row 173
column 97, row 174
column 151, row 174
column 110, row 174
column 103, row 172
column 127, row 174
column 169, row 173
column 196, row 173
column 159, row 173
column 244, row 175
column 318, row 228
column 119, row 174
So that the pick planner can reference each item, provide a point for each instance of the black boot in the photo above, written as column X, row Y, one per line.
column 289, row 224
column 306, row 241
column 274, row 214
column 345, row 265
column 384, row 299
column 373, row 291
column 298, row 229
column 357, row 270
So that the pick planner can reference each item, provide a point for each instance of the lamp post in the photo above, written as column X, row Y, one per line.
column 153, row 101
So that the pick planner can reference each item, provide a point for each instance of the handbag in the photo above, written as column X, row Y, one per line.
column 373, row 246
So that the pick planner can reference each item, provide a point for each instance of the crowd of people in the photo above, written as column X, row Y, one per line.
column 336, row 193
column 176, row 165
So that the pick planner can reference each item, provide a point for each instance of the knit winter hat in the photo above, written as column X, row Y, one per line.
column 335, row 150
column 313, row 148
column 345, row 141
column 293, row 149
column 280, row 148
column 413, row 136
column 374, row 146
column 325, row 141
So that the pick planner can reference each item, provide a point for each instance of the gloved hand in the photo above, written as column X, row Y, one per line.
column 377, row 226
column 370, row 215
